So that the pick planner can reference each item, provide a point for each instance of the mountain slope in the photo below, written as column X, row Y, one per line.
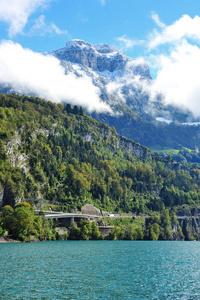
column 58, row 153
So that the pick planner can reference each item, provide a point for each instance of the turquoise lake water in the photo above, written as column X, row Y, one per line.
column 100, row 270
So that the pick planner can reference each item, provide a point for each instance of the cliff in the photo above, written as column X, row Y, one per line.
column 190, row 227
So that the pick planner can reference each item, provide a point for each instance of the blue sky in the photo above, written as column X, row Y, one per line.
column 166, row 34
column 95, row 21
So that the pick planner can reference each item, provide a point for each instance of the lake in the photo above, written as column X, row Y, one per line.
column 100, row 270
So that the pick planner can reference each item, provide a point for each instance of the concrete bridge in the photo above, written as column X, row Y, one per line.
column 60, row 216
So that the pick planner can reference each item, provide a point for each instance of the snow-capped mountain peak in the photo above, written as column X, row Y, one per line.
column 103, row 59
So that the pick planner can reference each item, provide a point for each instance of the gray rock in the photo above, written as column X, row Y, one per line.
column 90, row 209
column 105, row 213
column 106, row 65
column 1, row 197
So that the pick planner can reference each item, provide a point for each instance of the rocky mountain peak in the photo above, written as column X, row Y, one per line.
column 100, row 48
column 101, row 58
column 77, row 43
column 104, row 48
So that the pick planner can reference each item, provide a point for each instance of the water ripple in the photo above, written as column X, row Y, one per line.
column 100, row 270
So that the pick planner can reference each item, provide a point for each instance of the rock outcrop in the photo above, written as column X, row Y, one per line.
column 116, row 142
column 1, row 197
column 101, row 58
column 90, row 209
column 190, row 227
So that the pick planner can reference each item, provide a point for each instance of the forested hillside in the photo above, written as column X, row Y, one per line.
column 58, row 153
column 151, row 133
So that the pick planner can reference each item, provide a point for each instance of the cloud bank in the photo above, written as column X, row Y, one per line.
column 33, row 73
column 178, row 66
column 178, row 77
column 184, row 28
column 173, row 53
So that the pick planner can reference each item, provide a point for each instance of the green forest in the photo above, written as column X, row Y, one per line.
column 57, row 152
column 145, row 130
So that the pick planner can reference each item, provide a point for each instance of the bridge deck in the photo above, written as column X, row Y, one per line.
column 57, row 215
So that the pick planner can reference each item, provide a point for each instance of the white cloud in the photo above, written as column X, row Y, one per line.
column 156, row 19
column 33, row 73
column 178, row 77
column 16, row 13
column 128, row 43
column 41, row 27
column 184, row 28
column 115, row 88
column 135, row 63
column 176, row 63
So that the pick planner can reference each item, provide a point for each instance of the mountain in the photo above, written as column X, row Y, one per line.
column 123, row 84
column 103, row 59
column 115, row 74
column 59, row 153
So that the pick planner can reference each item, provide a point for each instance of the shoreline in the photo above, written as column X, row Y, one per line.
column 8, row 240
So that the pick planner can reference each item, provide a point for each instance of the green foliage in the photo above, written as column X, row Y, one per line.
column 159, row 227
column 1, row 228
column 84, row 231
column 95, row 234
column 21, row 223
column 74, row 232
column 126, row 228
column 144, row 129
column 154, row 232
column 72, row 159
column 166, row 230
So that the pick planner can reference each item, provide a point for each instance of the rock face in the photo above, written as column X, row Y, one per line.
column 8, row 197
column 1, row 197
column 14, row 155
column 120, row 142
column 119, row 78
column 100, row 58
column 190, row 227
column 90, row 209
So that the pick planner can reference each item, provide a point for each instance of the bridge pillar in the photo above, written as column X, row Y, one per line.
column 71, row 221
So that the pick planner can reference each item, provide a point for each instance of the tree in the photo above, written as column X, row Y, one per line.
column 95, row 232
column 68, row 108
column 74, row 232
column 23, row 222
column 166, row 230
column 85, row 229
column 154, row 232
column 7, row 218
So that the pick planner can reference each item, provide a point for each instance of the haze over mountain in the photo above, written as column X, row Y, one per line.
column 112, row 87
column 120, row 79
column 95, row 76
column 125, row 85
